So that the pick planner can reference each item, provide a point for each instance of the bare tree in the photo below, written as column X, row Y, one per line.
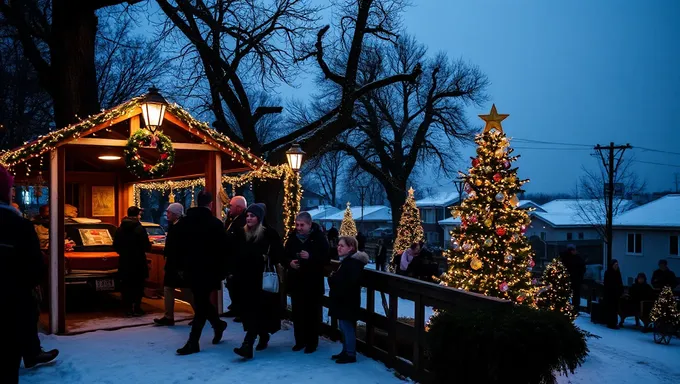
column 327, row 170
column 591, row 204
column 58, row 38
column 356, row 178
column 405, row 124
column 242, row 44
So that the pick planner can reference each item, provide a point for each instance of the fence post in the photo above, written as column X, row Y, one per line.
column 419, row 334
column 370, row 309
column 392, row 325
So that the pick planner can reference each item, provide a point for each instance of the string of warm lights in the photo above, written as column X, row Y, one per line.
column 556, row 290
column 348, row 227
column 410, row 229
column 489, row 253
column 665, row 309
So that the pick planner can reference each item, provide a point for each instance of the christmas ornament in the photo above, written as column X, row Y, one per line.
column 488, row 242
column 473, row 219
column 534, row 281
column 506, row 164
column 475, row 263
column 508, row 258
column 475, row 162
column 520, row 298
column 497, row 177
column 532, row 263
column 515, row 237
column 467, row 247
column 487, row 169
column 500, row 231
column 499, row 152
column 488, row 222
column 514, row 201
column 503, row 287
column 523, row 229
column 500, row 197
column 454, row 245
column 478, row 182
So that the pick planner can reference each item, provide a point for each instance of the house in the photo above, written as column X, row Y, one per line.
column 433, row 209
column 375, row 216
column 564, row 220
column 320, row 213
column 310, row 200
column 646, row 234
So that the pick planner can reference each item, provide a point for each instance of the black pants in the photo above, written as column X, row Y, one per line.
column 252, row 335
column 28, row 331
column 576, row 298
column 9, row 367
column 233, row 296
column 307, row 316
column 132, row 291
column 204, row 311
column 611, row 308
column 381, row 266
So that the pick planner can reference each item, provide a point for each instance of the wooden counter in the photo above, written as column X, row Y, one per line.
column 156, row 263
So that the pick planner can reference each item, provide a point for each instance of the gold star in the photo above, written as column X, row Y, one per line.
column 411, row 191
column 493, row 120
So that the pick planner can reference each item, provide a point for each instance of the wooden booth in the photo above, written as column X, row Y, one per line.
column 98, row 164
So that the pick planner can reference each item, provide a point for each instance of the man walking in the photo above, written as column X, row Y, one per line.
column 576, row 268
column 236, row 220
column 21, row 257
column 306, row 255
column 174, row 268
column 131, row 242
column 202, row 235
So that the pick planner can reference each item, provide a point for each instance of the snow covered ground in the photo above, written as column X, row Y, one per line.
column 147, row 355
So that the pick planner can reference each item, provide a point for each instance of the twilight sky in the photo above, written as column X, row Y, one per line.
column 577, row 72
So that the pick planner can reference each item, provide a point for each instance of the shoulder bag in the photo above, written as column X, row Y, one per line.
column 270, row 279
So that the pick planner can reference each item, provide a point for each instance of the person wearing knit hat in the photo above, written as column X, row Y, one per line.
column 259, row 210
column 21, row 255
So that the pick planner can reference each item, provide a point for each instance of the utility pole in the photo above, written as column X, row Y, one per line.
column 611, row 156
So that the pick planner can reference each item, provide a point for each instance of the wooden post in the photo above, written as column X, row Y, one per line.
column 392, row 336
column 213, row 183
column 134, row 125
column 419, row 334
column 56, row 266
column 370, row 309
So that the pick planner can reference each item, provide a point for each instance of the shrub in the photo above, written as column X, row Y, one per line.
column 521, row 345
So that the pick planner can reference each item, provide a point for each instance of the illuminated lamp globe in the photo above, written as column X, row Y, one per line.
column 153, row 109
column 295, row 155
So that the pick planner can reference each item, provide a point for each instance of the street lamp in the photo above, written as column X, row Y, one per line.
column 153, row 109
column 460, row 185
column 295, row 156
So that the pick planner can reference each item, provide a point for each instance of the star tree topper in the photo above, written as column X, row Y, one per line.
column 493, row 120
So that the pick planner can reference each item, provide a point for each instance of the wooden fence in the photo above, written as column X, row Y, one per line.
column 400, row 343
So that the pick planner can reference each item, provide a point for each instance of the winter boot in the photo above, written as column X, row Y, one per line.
column 41, row 358
column 263, row 342
column 137, row 311
column 338, row 356
column 219, row 331
column 245, row 351
column 189, row 348
column 346, row 359
column 164, row 321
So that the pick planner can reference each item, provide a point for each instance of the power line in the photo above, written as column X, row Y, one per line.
column 550, row 142
column 555, row 149
column 658, row 150
column 653, row 163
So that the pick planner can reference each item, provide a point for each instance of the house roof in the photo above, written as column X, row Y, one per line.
column 439, row 199
column 660, row 213
column 525, row 204
column 371, row 213
column 577, row 212
column 450, row 221
column 323, row 212
column 119, row 113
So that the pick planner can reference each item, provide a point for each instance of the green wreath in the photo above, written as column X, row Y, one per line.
column 144, row 138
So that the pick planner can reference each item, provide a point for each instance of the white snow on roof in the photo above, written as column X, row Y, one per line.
column 664, row 212
column 577, row 212
column 450, row 221
column 323, row 211
column 371, row 213
column 439, row 199
column 530, row 204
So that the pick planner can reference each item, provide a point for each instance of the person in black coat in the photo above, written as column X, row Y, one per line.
column 131, row 242
column 361, row 240
column 345, row 296
column 381, row 256
column 576, row 268
column 333, row 236
column 234, row 223
column 305, row 256
column 24, row 269
column 664, row 277
column 201, row 241
column 640, row 291
column 260, row 310
column 613, row 289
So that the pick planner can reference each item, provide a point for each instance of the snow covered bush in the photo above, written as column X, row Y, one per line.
column 509, row 345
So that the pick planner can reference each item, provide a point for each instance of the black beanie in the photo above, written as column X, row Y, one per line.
column 258, row 210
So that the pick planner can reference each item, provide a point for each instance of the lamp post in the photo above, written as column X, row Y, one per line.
column 153, row 109
column 295, row 155
column 459, row 183
column 362, row 195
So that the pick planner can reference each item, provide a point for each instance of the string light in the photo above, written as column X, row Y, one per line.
column 556, row 290
column 665, row 309
column 410, row 229
column 348, row 227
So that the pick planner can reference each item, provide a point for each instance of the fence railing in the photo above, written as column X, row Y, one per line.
column 400, row 341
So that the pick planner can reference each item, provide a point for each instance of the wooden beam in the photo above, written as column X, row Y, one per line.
column 134, row 124
column 122, row 143
column 56, row 266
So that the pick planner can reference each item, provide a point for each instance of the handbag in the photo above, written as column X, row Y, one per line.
column 270, row 279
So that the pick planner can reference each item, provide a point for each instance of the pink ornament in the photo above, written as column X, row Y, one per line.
column 503, row 287
column 473, row 219
column 532, row 263
column 523, row 229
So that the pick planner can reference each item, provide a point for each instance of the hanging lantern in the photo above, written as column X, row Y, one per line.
column 295, row 155
column 153, row 109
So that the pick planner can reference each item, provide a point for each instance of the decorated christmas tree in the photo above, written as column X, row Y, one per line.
column 556, row 290
column 489, row 253
column 348, row 226
column 665, row 309
column 410, row 229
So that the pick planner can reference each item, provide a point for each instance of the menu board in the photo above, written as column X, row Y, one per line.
column 97, row 236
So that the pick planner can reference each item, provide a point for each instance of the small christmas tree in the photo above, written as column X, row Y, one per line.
column 665, row 309
column 489, row 253
column 556, row 291
column 410, row 229
column 348, row 226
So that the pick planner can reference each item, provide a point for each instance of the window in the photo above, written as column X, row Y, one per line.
column 428, row 216
column 634, row 246
column 580, row 236
column 674, row 245
column 543, row 235
column 570, row 236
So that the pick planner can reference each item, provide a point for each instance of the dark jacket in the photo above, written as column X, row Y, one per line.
column 309, row 278
column 234, row 229
column 201, row 243
column 381, row 255
column 575, row 266
column 22, row 261
column 173, row 260
column 613, row 284
column 260, row 310
column 345, row 294
column 131, row 242
column 640, row 292
column 361, row 239
column 662, row 279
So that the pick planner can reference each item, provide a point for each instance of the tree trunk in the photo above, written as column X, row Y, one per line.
column 72, row 50
column 397, row 198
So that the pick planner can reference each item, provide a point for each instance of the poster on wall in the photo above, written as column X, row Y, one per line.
column 103, row 201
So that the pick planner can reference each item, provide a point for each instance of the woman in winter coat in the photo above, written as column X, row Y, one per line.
column 260, row 310
column 640, row 291
column 345, row 295
column 613, row 289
